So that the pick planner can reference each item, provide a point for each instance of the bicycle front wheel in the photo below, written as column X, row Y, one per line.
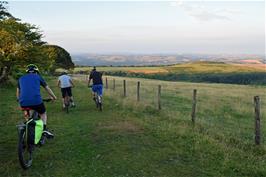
column 24, row 150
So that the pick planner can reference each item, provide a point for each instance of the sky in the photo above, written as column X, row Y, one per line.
column 173, row 27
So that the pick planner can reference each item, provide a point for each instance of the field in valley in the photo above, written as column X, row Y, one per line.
column 194, row 67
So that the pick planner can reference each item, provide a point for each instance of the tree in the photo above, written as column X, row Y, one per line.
column 3, row 11
column 58, row 57
column 20, row 44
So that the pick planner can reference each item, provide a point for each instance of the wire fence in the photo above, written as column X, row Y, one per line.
column 224, row 110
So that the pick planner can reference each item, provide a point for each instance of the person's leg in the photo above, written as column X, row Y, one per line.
column 93, row 96
column 72, row 101
column 63, row 102
column 63, row 91
column 94, row 92
column 42, row 112
column 44, row 119
column 71, row 96
column 101, row 90
column 46, row 133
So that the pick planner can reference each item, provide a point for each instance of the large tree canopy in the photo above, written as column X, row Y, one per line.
column 60, row 57
column 22, row 44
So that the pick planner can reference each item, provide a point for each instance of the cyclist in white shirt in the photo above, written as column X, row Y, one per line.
column 65, row 82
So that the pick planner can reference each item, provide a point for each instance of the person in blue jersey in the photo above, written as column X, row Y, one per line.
column 29, row 95
column 97, row 82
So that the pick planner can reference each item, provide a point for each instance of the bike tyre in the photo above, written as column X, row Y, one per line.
column 25, row 163
column 100, row 107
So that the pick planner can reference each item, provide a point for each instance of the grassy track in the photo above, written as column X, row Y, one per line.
column 134, row 139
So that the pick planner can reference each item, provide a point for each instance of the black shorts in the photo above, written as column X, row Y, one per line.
column 39, row 108
column 66, row 91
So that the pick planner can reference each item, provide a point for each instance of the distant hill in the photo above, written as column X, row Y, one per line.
column 155, row 60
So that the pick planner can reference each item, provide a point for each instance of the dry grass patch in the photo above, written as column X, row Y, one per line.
column 258, row 66
column 148, row 71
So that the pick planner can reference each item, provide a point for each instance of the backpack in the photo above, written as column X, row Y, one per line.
column 34, row 131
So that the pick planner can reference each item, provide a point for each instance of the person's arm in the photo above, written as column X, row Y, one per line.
column 89, row 81
column 50, row 92
column 47, row 88
column 72, row 83
column 101, row 73
column 58, row 83
column 90, row 77
column 18, row 93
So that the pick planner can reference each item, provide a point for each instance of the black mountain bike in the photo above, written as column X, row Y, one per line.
column 25, row 144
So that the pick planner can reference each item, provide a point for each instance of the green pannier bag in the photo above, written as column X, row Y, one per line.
column 34, row 131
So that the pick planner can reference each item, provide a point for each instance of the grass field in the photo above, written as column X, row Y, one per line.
column 144, row 69
column 135, row 139
column 192, row 68
column 214, row 67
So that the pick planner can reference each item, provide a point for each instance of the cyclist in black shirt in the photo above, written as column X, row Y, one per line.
column 97, row 82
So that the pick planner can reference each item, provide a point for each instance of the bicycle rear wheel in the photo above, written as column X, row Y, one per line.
column 100, row 107
column 24, row 150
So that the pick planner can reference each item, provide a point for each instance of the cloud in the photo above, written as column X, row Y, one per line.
column 176, row 3
column 199, row 11
column 208, row 16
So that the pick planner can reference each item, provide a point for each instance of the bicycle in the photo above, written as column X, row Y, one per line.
column 25, row 143
column 67, row 103
column 98, row 100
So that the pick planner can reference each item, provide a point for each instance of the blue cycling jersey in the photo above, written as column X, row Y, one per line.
column 30, row 92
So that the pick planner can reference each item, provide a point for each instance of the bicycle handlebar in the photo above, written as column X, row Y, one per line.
column 47, row 99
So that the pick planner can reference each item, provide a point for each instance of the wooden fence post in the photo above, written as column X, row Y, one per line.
column 106, row 83
column 124, row 86
column 138, row 86
column 194, row 102
column 159, row 97
column 257, row 119
column 113, row 84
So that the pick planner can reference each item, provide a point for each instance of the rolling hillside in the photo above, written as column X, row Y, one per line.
column 208, row 72
column 135, row 139
column 194, row 67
